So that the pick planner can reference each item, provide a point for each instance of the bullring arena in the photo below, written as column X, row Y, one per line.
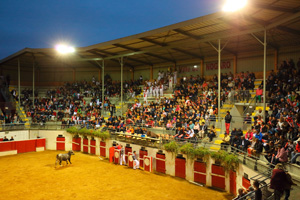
column 209, row 105
column 33, row 176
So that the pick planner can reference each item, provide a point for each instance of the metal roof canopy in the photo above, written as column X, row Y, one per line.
column 183, row 41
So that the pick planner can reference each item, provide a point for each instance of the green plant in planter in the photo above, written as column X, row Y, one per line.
column 74, row 131
column 171, row 147
column 188, row 149
column 104, row 135
column 84, row 132
column 219, row 156
column 231, row 162
column 202, row 153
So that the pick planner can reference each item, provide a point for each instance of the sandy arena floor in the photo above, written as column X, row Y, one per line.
column 32, row 176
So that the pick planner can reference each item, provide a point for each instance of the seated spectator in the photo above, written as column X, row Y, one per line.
column 257, row 147
column 296, row 153
column 5, row 139
column 169, row 125
column 281, row 156
column 203, row 130
column 247, row 119
column 235, row 142
column 244, row 144
column 189, row 133
column 212, row 133
column 249, row 135
column 226, row 142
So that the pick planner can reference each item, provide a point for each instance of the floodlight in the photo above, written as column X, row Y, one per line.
column 195, row 66
column 64, row 49
column 234, row 5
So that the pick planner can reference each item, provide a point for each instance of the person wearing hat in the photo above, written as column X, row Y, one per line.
column 296, row 153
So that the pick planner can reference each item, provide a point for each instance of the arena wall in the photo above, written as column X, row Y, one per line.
column 170, row 158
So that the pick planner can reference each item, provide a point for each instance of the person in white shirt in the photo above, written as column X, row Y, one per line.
column 161, row 89
column 136, row 163
column 189, row 133
column 170, row 82
column 150, row 90
column 175, row 77
column 122, row 156
column 157, row 90
column 146, row 96
column 159, row 76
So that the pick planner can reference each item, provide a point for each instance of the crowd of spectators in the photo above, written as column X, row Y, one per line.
column 190, row 112
column 278, row 137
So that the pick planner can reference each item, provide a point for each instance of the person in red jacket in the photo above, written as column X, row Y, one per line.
column 296, row 153
column 278, row 181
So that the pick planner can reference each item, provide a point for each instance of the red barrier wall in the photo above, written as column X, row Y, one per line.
column 200, row 172
column 93, row 147
column 7, row 146
column 246, row 183
column 180, row 167
column 148, row 163
column 161, row 163
column 76, row 144
column 22, row 146
column 127, row 150
column 142, row 154
column 218, row 176
column 85, row 145
column 232, row 178
column 103, row 149
column 117, row 156
column 60, row 143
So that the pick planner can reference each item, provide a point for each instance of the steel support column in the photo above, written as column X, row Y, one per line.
column 265, row 66
column 19, row 82
column 121, row 86
column 33, row 83
column 264, row 43
column 219, row 80
column 219, row 50
column 103, row 87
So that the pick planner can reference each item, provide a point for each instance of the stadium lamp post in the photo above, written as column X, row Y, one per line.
column 102, row 77
column 229, row 6
column 235, row 5
column 219, row 50
column 19, row 82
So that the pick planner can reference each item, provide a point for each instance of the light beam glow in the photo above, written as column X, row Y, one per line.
column 234, row 5
column 64, row 49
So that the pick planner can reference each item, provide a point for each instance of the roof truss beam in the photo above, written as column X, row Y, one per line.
column 149, row 54
column 131, row 59
column 274, row 8
column 187, row 34
column 175, row 49
column 288, row 30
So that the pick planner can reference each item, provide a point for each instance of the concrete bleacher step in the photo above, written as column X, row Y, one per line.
column 218, row 141
column 216, row 148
